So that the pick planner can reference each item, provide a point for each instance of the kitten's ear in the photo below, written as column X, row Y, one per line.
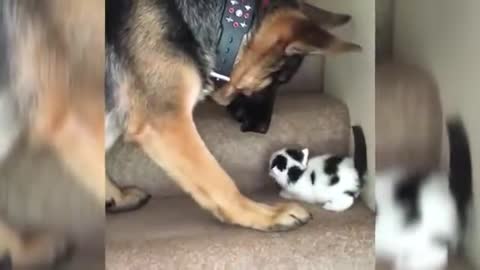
column 305, row 152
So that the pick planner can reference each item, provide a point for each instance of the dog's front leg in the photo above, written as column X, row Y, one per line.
column 41, row 249
column 173, row 142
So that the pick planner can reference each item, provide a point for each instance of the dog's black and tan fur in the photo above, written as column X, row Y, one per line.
column 159, row 54
column 52, row 86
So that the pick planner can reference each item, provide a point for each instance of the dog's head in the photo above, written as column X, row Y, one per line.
column 287, row 29
column 287, row 164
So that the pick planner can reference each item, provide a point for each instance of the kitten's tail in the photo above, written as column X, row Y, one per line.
column 460, row 179
column 360, row 153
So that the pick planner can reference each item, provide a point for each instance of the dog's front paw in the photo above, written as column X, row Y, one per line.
column 263, row 217
column 289, row 216
column 129, row 199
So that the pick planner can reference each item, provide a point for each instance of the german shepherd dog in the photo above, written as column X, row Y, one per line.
column 52, row 65
column 160, row 55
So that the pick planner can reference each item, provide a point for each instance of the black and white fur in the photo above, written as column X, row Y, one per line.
column 330, row 180
column 422, row 216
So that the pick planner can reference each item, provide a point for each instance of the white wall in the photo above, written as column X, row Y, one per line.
column 351, row 76
column 443, row 37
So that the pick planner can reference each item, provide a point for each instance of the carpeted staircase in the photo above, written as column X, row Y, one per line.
column 172, row 232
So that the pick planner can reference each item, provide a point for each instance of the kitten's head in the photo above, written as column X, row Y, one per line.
column 287, row 163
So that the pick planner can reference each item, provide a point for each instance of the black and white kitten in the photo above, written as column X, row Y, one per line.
column 327, row 179
column 422, row 216
column 331, row 180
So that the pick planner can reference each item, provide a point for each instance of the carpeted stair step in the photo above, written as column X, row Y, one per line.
column 174, row 233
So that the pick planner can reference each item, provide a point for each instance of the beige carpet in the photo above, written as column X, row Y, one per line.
column 173, row 233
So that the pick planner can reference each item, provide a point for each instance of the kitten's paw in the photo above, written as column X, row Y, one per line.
column 329, row 206
column 339, row 205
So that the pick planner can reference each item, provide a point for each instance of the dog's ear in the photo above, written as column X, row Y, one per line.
column 309, row 38
column 324, row 18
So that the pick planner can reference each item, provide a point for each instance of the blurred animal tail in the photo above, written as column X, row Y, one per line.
column 360, row 154
column 460, row 178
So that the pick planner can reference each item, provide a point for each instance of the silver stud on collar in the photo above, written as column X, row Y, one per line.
column 219, row 76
